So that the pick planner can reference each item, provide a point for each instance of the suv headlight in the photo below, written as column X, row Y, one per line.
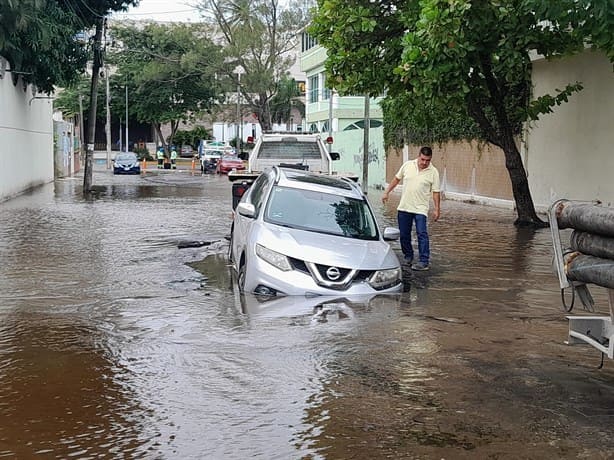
column 382, row 279
column 274, row 258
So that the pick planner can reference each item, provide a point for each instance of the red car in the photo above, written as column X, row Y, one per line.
column 229, row 162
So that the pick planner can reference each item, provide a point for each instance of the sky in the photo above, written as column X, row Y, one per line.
column 162, row 10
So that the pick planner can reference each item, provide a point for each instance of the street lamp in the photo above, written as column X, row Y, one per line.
column 126, row 117
column 239, row 132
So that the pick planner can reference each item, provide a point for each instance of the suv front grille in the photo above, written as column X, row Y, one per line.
column 331, row 277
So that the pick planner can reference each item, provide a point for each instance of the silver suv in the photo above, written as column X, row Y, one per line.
column 300, row 233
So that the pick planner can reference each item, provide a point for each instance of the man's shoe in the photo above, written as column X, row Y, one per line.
column 408, row 261
column 420, row 267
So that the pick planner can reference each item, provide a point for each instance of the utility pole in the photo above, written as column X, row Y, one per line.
column 91, row 129
column 81, row 132
column 108, row 123
column 365, row 149
column 330, row 118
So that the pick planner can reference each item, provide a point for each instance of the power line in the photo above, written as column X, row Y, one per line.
column 154, row 13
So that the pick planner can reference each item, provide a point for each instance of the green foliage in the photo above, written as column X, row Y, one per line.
column 191, row 137
column 171, row 72
column 407, row 124
column 142, row 153
column 473, row 58
column 39, row 38
column 287, row 97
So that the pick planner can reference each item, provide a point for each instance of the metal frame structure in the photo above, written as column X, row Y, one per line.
column 597, row 331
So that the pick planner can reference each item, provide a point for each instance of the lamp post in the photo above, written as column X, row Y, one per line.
column 107, row 126
column 239, row 130
column 127, row 117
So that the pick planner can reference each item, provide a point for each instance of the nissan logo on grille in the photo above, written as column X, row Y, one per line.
column 333, row 273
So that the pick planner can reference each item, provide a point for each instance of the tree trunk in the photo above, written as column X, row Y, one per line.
column 525, row 209
column 158, row 128
column 265, row 119
column 91, row 122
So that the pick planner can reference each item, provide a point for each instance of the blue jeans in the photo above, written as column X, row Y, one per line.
column 406, row 220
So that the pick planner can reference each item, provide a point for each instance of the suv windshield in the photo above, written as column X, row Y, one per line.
column 321, row 212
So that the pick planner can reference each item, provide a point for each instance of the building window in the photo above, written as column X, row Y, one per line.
column 314, row 84
column 360, row 124
column 307, row 41
column 325, row 90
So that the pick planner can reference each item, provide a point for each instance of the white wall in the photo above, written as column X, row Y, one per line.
column 571, row 151
column 26, row 133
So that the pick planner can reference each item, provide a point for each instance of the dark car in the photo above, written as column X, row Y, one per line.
column 229, row 163
column 186, row 151
column 126, row 163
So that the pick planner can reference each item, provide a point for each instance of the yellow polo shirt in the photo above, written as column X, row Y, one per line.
column 418, row 187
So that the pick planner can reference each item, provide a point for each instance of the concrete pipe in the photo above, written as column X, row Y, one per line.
column 586, row 217
column 591, row 244
column 590, row 269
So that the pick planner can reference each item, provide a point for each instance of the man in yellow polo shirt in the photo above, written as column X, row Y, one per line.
column 420, row 181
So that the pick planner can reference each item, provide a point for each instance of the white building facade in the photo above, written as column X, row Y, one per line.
column 570, row 152
column 26, row 130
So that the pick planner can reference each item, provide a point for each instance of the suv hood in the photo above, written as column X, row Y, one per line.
column 328, row 249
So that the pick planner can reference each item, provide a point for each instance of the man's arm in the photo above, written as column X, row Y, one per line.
column 437, row 201
column 393, row 183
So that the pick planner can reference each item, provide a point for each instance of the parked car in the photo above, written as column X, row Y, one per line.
column 295, row 232
column 126, row 163
column 209, row 153
column 186, row 151
column 229, row 163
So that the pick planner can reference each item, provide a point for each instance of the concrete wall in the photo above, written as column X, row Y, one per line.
column 467, row 170
column 571, row 151
column 350, row 145
column 64, row 154
column 26, row 131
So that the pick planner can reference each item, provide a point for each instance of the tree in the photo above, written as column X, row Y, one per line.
column 286, row 98
column 471, row 57
column 41, row 40
column 38, row 39
column 259, row 38
column 171, row 71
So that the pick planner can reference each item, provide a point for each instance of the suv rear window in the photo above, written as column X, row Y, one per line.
column 289, row 151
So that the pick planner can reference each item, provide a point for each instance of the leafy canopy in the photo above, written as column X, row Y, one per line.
column 259, row 39
column 43, row 40
column 456, row 58
column 172, row 71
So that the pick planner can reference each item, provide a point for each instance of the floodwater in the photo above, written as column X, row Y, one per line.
column 117, row 341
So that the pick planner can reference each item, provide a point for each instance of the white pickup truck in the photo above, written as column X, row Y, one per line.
column 292, row 150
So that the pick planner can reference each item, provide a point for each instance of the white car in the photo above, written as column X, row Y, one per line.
column 300, row 233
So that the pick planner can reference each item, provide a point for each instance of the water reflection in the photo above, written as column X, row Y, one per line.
column 89, row 414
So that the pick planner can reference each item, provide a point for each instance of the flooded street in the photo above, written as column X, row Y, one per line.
column 120, row 340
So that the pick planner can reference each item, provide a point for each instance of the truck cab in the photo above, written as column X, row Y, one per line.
column 304, row 151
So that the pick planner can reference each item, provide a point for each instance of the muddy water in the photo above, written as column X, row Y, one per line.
column 117, row 343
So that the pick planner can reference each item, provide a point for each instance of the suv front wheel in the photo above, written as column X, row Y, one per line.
column 241, row 277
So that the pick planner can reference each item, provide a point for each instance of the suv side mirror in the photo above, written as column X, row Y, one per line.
column 334, row 156
column 391, row 233
column 246, row 209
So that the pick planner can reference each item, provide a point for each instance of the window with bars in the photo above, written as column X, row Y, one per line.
column 314, row 86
